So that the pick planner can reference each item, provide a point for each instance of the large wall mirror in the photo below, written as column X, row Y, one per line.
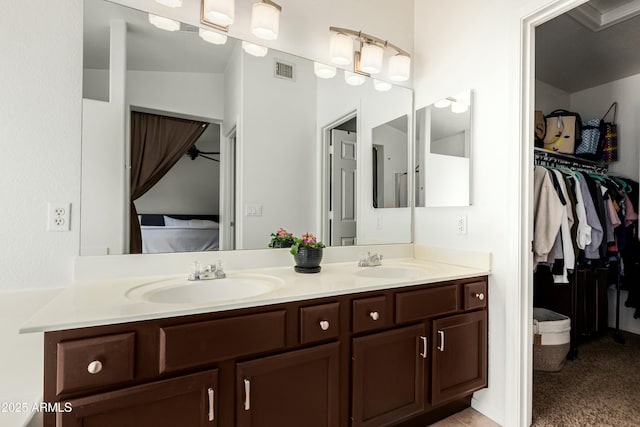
column 443, row 147
column 249, row 143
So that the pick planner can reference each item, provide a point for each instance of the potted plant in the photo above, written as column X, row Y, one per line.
column 281, row 239
column 307, row 252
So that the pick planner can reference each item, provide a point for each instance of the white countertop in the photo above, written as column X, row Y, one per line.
column 106, row 302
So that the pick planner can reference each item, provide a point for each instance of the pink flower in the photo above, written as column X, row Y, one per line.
column 308, row 238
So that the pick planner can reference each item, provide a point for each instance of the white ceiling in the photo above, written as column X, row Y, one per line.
column 149, row 48
column 573, row 56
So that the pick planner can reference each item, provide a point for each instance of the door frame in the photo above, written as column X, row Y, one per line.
column 524, row 335
column 228, row 185
column 325, row 171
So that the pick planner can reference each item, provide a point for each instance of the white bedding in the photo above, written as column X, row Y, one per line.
column 178, row 239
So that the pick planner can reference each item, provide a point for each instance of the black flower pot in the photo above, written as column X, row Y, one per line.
column 282, row 244
column 308, row 260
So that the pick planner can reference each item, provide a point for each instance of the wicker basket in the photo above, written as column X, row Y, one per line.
column 552, row 337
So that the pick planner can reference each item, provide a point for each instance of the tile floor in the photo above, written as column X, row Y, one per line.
column 467, row 418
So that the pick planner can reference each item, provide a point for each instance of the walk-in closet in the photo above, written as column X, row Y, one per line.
column 586, row 247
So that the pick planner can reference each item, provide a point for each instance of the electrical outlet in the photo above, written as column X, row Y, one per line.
column 58, row 216
column 379, row 224
column 461, row 224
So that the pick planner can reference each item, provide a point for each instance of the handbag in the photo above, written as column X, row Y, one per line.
column 564, row 131
column 592, row 134
column 539, row 129
column 610, row 138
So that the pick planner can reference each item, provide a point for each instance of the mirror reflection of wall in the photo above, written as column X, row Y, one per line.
column 389, row 164
column 443, row 147
column 268, row 132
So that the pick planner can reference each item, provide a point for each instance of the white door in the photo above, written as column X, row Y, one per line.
column 343, row 188
column 228, row 193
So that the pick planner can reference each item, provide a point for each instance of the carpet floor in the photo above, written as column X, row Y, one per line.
column 600, row 388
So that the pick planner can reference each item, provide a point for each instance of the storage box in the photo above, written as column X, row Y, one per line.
column 551, row 340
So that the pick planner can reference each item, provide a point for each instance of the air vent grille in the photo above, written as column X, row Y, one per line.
column 284, row 70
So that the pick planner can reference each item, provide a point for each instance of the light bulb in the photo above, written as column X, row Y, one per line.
column 354, row 79
column 442, row 103
column 265, row 21
column 458, row 107
column 324, row 71
column 164, row 23
column 371, row 58
column 399, row 68
column 212, row 36
column 341, row 49
column 381, row 86
column 254, row 49
column 170, row 3
column 220, row 12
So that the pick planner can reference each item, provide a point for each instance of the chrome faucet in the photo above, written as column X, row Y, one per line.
column 371, row 260
column 209, row 272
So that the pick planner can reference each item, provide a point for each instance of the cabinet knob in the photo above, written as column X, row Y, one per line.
column 480, row 296
column 94, row 367
column 324, row 325
column 374, row 315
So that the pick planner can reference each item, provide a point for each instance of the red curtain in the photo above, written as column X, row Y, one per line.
column 157, row 143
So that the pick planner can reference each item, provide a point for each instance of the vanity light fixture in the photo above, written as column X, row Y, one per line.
column 443, row 103
column 354, row 79
column 458, row 104
column 369, row 59
column 170, row 3
column 324, row 71
column 218, row 13
column 164, row 23
column 381, row 86
column 254, row 49
column 212, row 36
column 265, row 20
column 459, row 107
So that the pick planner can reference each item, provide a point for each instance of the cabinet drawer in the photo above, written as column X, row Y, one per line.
column 431, row 302
column 369, row 313
column 475, row 295
column 95, row 362
column 319, row 322
column 194, row 344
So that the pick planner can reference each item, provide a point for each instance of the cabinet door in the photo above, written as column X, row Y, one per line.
column 187, row 401
column 459, row 356
column 388, row 376
column 298, row 388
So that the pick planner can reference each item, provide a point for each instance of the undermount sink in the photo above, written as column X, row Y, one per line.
column 183, row 291
column 391, row 272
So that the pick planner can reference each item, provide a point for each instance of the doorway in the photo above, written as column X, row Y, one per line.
column 340, row 181
column 533, row 43
column 228, row 184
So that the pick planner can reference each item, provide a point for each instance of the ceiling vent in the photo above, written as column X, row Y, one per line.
column 284, row 70
column 597, row 15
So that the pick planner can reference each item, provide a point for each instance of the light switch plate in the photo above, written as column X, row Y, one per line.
column 253, row 210
column 461, row 224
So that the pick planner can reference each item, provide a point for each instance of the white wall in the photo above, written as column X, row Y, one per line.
column 549, row 98
column 40, row 118
column 278, row 149
column 482, row 54
column 95, row 84
column 395, row 145
column 594, row 102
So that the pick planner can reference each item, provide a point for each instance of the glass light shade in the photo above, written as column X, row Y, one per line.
column 170, row 3
column 324, row 71
column 459, row 107
column 399, row 68
column 164, row 23
column 371, row 58
column 220, row 12
column 341, row 49
column 381, row 86
column 254, row 49
column 442, row 103
column 212, row 36
column 265, row 21
column 354, row 79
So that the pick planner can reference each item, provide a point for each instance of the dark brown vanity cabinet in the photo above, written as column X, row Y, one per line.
column 404, row 356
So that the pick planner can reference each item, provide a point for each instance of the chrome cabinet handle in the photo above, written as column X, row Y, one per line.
column 441, row 346
column 94, row 367
column 324, row 325
column 374, row 315
column 424, row 347
column 211, row 402
column 480, row 296
column 247, row 394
